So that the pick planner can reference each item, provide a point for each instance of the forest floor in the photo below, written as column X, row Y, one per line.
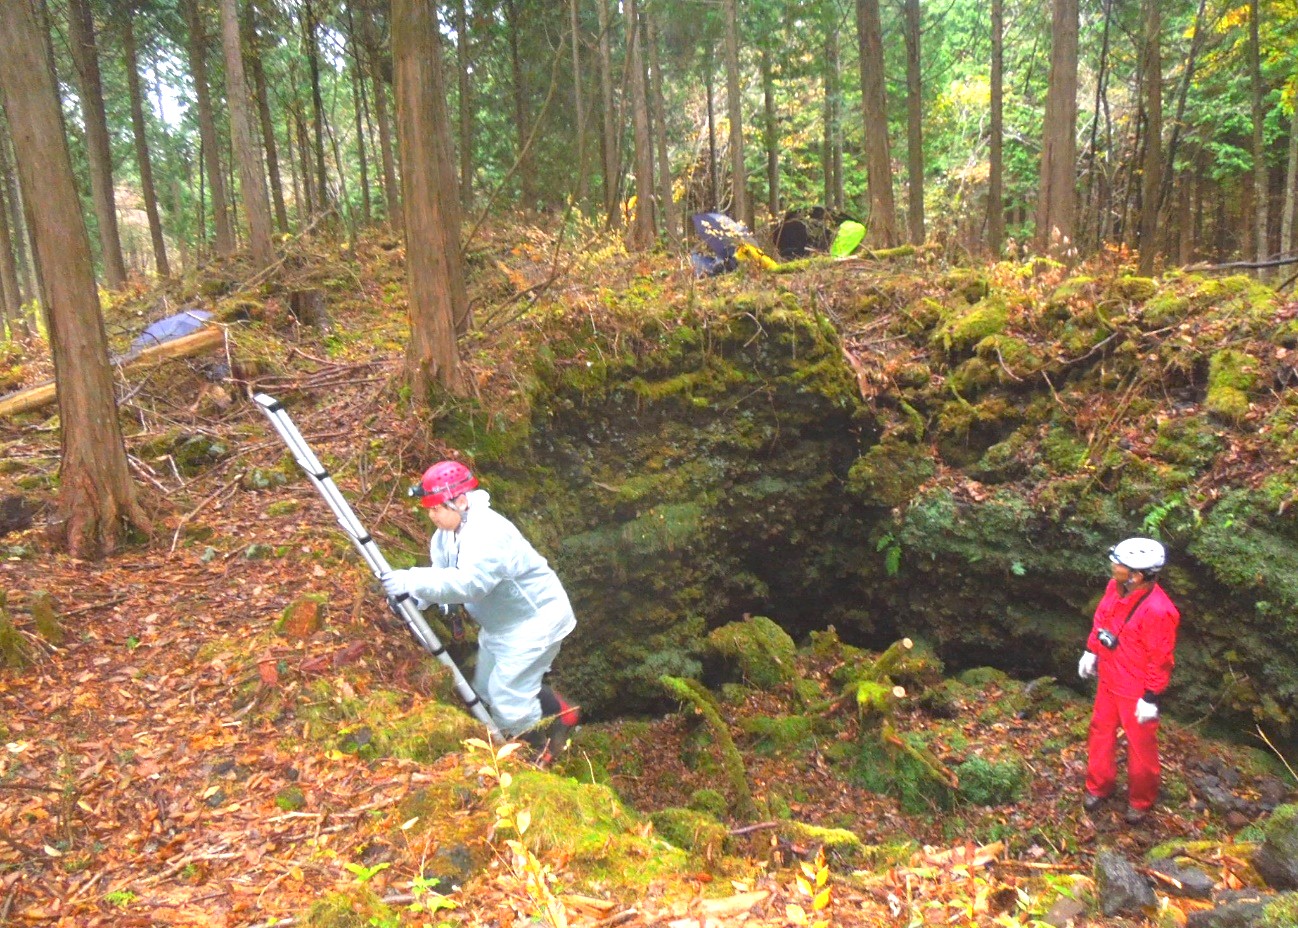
column 160, row 766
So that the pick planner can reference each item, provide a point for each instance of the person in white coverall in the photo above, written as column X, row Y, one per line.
column 481, row 560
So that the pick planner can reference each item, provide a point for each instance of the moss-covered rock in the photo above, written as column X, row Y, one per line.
column 1232, row 375
column 963, row 330
column 761, row 650
column 970, row 284
column 889, row 473
column 1135, row 289
column 691, row 830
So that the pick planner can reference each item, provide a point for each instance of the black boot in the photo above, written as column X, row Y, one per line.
column 564, row 718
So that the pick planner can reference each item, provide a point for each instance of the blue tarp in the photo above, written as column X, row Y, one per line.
column 723, row 236
column 164, row 330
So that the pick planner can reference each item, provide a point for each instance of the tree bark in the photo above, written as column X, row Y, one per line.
column 464, row 61
column 1260, row 197
column 207, row 128
column 612, row 156
column 252, row 177
column 739, row 206
column 1288, row 240
column 874, row 105
column 81, row 38
column 1057, row 200
column 996, row 173
column 17, row 227
column 11, row 295
column 521, row 93
column 258, row 74
column 391, row 186
column 145, row 163
column 358, row 94
column 831, row 157
column 914, row 126
column 770, row 135
column 1187, row 76
column 642, row 231
column 578, row 102
column 1151, row 181
column 714, row 169
column 317, row 106
column 438, row 301
column 668, row 212
column 98, row 502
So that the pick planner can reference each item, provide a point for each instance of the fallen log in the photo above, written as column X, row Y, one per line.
column 186, row 346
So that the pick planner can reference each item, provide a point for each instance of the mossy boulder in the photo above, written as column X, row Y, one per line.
column 970, row 284
column 303, row 617
column 1232, row 375
column 384, row 723
column 761, row 651
column 890, row 472
column 1134, row 289
column 986, row 782
column 963, row 330
column 691, row 830
column 841, row 846
column 1277, row 859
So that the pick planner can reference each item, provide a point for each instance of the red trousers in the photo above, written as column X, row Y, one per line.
column 1143, row 769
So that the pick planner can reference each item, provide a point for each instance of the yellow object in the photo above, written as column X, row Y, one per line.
column 756, row 256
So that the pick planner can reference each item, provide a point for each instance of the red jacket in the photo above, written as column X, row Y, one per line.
column 1141, row 664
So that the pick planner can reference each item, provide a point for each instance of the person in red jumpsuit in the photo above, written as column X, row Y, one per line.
column 1130, row 649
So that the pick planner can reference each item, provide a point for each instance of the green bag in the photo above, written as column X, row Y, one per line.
column 850, row 234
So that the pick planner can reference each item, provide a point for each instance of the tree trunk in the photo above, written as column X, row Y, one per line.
column 1288, row 240
column 714, row 169
column 668, row 211
column 1260, row 191
column 142, row 158
column 1099, row 193
column 996, row 173
column 17, row 227
column 914, row 126
column 464, row 62
column 258, row 74
column 11, row 295
column 1151, row 182
column 358, row 94
column 771, row 136
column 97, row 503
column 207, row 128
column 317, row 106
column 438, row 301
column 642, row 231
column 81, row 39
column 578, row 103
column 831, row 157
column 391, row 188
column 521, row 93
column 308, row 204
column 252, row 177
column 874, row 106
column 1187, row 76
column 739, row 207
column 1056, row 204
column 612, row 157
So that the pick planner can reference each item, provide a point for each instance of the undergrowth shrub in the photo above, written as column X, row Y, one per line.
column 991, row 783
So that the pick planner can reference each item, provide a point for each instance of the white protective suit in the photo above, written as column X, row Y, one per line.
column 513, row 595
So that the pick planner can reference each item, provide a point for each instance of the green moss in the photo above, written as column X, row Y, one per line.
column 691, row 830
column 710, row 802
column 1164, row 309
column 778, row 735
column 386, row 723
column 961, row 331
column 970, row 284
column 694, row 693
column 972, row 376
column 841, row 846
column 1059, row 303
column 991, row 783
column 917, row 318
column 1013, row 358
column 1192, row 441
column 359, row 908
column 1063, row 451
column 761, row 650
column 587, row 825
column 1232, row 375
column 290, row 799
column 1135, row 289
column 1282, row 912
column 889, row 473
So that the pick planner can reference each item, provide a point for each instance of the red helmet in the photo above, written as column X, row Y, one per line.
column 442, row 482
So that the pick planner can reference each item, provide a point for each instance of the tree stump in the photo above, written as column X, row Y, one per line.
column 309, row 307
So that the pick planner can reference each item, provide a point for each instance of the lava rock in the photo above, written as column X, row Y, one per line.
column 1276, row 861
column 1195, row 884
column 1272, row 792
column 1236, row 909
column 1066, row 913
column 1119, row 887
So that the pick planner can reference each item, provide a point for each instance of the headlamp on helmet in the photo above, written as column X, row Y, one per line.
column 443, row 482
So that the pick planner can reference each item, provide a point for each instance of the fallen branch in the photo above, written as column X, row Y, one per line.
column 186, row 346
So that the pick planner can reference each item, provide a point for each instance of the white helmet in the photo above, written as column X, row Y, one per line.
column 1142, row 554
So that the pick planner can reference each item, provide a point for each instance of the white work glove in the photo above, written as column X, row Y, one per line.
column 1086, row 666
column 1145, row 712
column 396, row 582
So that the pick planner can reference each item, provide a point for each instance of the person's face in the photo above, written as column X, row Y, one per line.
column 1125, row 576
column 447, row 516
